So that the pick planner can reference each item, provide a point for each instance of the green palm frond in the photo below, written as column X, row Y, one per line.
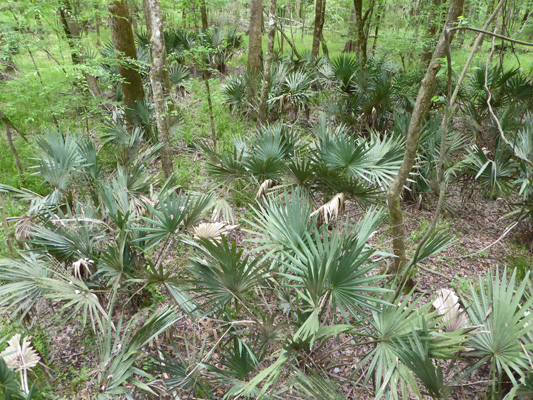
column 390, row 324
column 345, row 67
column 9, row 383
column 225, row 274
column 77, row 299
column 281, row 223
column 315, row 387
column 60, row 159
column 337, row 267
column 500, row 309
column 22, row 283
column 174, row 213
column 415, row 355
column 118, row 357
column 494, row 176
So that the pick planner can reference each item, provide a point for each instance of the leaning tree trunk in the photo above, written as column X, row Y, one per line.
column 420, row 110
column 157, row 79
column 122, row 37
column 268, row 61
column 255, row 47
column 319, row 24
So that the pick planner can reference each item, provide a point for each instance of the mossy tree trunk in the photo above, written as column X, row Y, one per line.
column 271, row 23
column 157, row 80
column 255, row 46
column 418, row 117
column 124, row 44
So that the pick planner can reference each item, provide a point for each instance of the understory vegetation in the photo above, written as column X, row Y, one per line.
column 263, row 264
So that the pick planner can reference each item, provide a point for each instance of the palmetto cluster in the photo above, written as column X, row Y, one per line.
column 284, row 305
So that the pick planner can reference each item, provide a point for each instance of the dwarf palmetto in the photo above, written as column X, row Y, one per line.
column 502, row 310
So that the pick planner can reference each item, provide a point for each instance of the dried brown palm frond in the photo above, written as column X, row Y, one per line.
column 331, row 210
column 212, row 230
column 22, row 228
column 447, row 304
column 20, row 356
column 82, row 268
column 263, row 189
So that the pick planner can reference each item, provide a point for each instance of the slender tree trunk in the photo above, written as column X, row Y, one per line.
column 124, row 44
column 97, row 27
column 7, row 122
column 363, row 26
column 5, row 225
column 434, row 25
column 159, row 56
column 422, row 104
column 203, row 12
column 72, row 31
column 14, row 152
column 255, row 46
column 166, row 75
column 268, row 61
column 376, row 31
column 319, row 23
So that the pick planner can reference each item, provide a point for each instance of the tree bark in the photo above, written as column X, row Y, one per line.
column 422, row 104
column 157, row 80
column 255, row 46
column 319, row 24
column 203, row 12
column 268, row 62
column 122, row 37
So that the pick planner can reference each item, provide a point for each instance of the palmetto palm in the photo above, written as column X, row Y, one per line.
column 502, row 310
column 223, row 274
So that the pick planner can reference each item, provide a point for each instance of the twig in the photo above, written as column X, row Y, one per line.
column 436, row 273
column 505, row 233
column 468, row 28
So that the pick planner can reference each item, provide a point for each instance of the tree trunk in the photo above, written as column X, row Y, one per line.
column 434, row 18
column 203, row 12
column 376, row 31
column 268, row 61
column 255, row 46
column 166, row 75
column 122, row 37
column 423, row 102
column 72, row 31
column 319, row 24
column 362, row 22
column 14, row 152
column 157, row 79
column 7, row 122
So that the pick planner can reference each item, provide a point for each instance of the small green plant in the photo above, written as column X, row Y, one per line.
column 156, row 297
column 521, row 261
column 462, row 284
